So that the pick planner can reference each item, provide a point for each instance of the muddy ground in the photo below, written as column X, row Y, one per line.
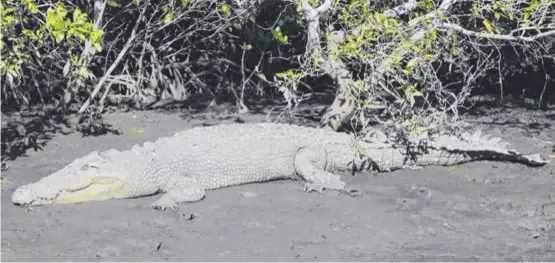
column 482, row 211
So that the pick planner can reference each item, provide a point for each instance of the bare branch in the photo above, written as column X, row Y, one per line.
column 471, row 33
column 120, row 56
column 443, row 8
column 401, row 9
column 324, row 7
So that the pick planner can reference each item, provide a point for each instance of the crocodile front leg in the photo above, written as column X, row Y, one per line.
column 310, row 164
column 179, row 189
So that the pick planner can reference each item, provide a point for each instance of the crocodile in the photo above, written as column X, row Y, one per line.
column 184, row 166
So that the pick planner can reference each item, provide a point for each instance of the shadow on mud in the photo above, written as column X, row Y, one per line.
column 22, row 131
column 33, row 129
column 513, row 113
column 225, row 107
column 26, row 130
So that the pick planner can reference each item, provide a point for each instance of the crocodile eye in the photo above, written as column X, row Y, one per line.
column 88, row 166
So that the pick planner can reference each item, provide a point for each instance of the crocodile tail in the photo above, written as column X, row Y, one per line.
column 475, row 146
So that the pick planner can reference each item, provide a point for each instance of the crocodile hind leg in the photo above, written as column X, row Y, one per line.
column 310, row 164
column 177, row 190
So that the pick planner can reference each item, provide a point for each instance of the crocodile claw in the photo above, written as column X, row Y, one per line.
column 161, row 205
column 313, row 187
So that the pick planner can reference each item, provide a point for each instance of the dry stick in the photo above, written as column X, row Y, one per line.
column 140, row 62
column 113, row 66
column 86, row 56
column 543, row 91
column 312, row 16
column 241, row 101
column 467, row 32
column 103, row 98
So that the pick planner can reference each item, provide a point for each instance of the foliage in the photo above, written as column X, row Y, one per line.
column 36, row 39
column 408, row 65
column 414, row 64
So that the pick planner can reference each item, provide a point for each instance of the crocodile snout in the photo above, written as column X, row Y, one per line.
column 22, row 196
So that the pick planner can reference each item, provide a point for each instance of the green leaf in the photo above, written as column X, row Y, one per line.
column 487, row 26
column 74, row 60
column 76, row 14
column 276, row 32
column 510, row 15
column 58, row 36
column 7, row 11
column 298, row 5
column 97, row 47
column 61, row 10
column 225, row 9
column 8, row 19
column 84, row 72
column 30, row 34
column 96, row 36
column 112, row 3
column 80, row 36
column 30, row 5
column 247, row 46
column 474, row 9
column 168, row 18
column 432, row 33
column 70, row 32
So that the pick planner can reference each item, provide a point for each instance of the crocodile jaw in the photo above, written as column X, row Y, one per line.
column 95, row 188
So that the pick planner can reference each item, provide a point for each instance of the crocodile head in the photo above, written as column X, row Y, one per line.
column 96, row 176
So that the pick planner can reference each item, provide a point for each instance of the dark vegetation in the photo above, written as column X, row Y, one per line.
column 419, row 67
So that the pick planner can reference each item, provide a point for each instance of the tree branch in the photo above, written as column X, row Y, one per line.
column 401, row 9
column 471, row 33
column 120, row 56
column 312, row 16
